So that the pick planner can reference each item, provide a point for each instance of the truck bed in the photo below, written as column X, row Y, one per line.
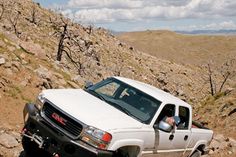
column 198, row 125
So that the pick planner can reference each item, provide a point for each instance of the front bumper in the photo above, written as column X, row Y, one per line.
column 53, row 141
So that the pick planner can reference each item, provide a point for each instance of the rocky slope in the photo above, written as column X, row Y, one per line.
column 28, row 52
column 219, row 112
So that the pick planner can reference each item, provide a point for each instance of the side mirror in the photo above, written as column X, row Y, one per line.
column 164, row 126
column 88, row 84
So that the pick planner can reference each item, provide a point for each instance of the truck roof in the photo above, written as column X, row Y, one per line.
column 153, row 91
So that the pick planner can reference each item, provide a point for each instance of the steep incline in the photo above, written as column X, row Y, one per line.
column 28, row 52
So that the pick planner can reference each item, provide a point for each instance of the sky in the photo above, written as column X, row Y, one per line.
column 139, row 15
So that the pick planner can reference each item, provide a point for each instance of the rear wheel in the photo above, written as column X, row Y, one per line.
column 31, row 149
column 196, row 153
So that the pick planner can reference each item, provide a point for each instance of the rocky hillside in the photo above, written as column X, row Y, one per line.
column 219, row 112
column 29, row 39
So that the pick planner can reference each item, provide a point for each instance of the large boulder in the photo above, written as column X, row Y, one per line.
column 8, row 141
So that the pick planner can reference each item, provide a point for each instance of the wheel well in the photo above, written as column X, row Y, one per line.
column 128, row 151
column 201, row 148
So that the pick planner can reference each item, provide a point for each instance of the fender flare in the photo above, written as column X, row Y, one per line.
column 127, row 142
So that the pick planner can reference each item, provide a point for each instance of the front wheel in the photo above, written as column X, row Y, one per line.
column 196, row 153
column 121, row 153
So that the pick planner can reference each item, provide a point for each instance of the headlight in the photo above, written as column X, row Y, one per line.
column 96, row 137
column 40, row 101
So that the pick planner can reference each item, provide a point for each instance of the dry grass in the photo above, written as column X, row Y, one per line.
column 185, row 49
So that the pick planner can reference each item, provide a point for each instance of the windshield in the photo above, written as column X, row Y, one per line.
column 126, row 98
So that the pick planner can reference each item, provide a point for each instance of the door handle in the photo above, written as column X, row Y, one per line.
column 185, row 137
column 171, row 137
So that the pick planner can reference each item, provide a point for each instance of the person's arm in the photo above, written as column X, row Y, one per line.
column 169, row 120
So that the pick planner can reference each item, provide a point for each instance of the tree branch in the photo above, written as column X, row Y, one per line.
column 2, row 10
column 14, row 22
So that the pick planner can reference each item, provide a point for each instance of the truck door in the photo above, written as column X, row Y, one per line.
column 169, row 144
column 164, row 140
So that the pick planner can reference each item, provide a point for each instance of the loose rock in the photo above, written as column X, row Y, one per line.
column 232, row 142
column 8, row 141
column 73, row 85
column 7, row 65
column 34, row 49
column 2, row 44
column 2, row 61
column 43, row 72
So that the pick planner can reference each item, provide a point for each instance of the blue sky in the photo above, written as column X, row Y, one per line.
column 136, row 15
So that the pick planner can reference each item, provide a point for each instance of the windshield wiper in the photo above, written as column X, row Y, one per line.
column 96, row 94
column 123, row 109
column 120, row 108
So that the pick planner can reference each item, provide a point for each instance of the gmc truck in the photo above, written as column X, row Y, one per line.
column 117, row 117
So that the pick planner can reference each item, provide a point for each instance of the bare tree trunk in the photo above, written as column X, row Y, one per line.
column 210, row 80
column 33, row 15
column 2, row 10
column 89, row 29
column 14, row 22
column 61, row 43
column 224, row 81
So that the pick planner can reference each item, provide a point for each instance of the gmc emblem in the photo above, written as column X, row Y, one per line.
column 59, row 119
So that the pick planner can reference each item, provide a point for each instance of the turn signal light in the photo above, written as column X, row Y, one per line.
column 106, row 137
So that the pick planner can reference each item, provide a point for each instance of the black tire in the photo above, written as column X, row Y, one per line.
column 22, row 154
column 196, row 153
column 120, row 153
column 31, row 149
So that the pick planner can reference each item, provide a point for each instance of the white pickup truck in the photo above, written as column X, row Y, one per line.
column 117, row 117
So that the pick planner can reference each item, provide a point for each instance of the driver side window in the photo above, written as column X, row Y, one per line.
column 167, row 111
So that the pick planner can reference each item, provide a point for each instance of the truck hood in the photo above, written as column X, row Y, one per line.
column 90, row 110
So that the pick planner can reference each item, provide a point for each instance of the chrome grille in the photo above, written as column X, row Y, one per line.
column 71, row 126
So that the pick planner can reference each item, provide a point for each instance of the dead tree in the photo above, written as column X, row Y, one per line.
column 227, row 71
column 33, row 15
column 69, row 44
column 61, row 42
column 14, row 22
column 89, row 30
column 61, row 28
